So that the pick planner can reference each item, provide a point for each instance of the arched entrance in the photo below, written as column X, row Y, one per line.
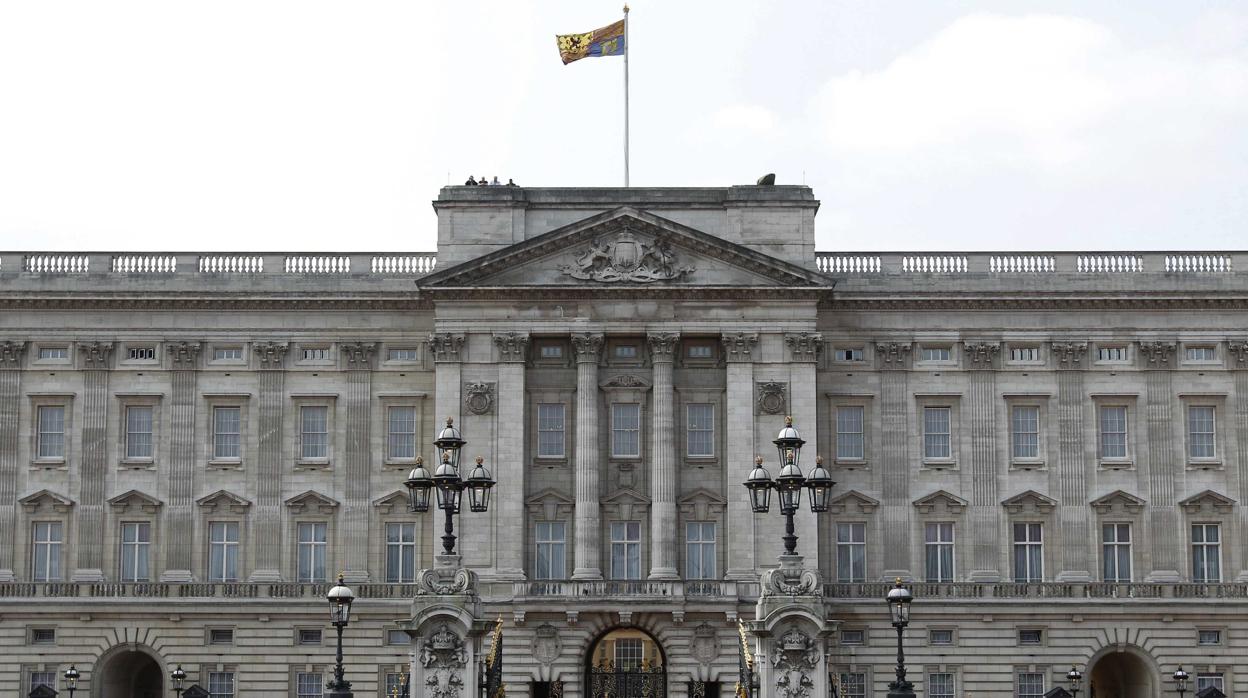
column 126, row 672
column 1122, row 674
column 626, row 663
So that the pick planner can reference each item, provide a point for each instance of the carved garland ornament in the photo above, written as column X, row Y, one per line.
column 771, row 397
column 479, row 398
column 444, row 658
column 795, row 657
column 782, row 582
column 430, row 582
column 626, row 259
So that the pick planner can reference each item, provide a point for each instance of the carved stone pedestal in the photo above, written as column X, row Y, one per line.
column 790, row 633
column 446, row 630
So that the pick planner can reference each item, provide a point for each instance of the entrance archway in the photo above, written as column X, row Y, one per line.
column 626, row 663
column 128, row 673
column 1122, row 674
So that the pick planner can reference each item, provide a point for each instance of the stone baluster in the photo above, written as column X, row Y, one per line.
column 663, row 473
column 587, row 556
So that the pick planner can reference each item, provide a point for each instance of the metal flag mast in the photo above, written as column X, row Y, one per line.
column 627, row 47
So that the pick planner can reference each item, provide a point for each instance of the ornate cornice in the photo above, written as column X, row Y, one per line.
column 359, row 355
column 804, row 346
column 663, row 346
column 11, row 354
column 183, row 355
column 106, row 301
column 893, row 355
column 270, row 355
column 513, row 347
column 446, row 346
column 1158, row 354
column 587, row 347
column 981, row 355
column 739, row 347
column 96, row 355
column 1069, row 354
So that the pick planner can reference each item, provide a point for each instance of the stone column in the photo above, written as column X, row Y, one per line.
column 804, row 349
column 1072, row 466
column 1165, row 465
column 985, row 509
column 895, row 468
column 11, row 354
column 663, row 472
column 509, row 467
column 448, row 351
column 179, row 510
column 739, row 454
column 1237, row 358
column 587, row 348
column 358, row 460
column 266, row 519
column 93, row 465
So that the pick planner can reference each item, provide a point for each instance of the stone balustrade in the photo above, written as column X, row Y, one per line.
column 1029, row 263
column 218, row 263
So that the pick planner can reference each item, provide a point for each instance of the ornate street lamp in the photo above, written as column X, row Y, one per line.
column 448, row 484
column 71, row 680
column 178, row 677
column 340, row 598
column 789, row 483
column 1076, row 680
column 899, row 599
column 1180, row 681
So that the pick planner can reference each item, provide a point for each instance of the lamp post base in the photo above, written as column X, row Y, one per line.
column 346, row 693
column 900, row 689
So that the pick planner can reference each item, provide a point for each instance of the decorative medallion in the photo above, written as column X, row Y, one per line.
column 546, row 644
column 795, row 657
column 705, row 647
column 627, row 259
column 479, row 398
column 444, row 658
column 771, row 397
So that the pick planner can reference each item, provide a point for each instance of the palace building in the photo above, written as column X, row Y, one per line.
column 1051, row 447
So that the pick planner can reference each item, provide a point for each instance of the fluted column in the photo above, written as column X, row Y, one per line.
column 179, row 510
column 1237, row 358
column 358, row 459
column 985, row 509
column 509, row 467
column 739, row 353
column 93, row 464
column 895, row 472
column 11, row 354
column 1165, row 465
column 1072, row 465
column 588, row 522
column 266, row 516
column 663, row 473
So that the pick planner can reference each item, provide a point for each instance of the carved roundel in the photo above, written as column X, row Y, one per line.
column 479, row 398
column 546, row 644
column 771, row 397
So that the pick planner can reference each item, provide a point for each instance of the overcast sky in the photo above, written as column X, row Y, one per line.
column 921, row 125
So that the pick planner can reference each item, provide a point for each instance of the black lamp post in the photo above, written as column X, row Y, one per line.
column 1180, row 681
column 178, row 677
column 340, row 598
column 71, row 680
column 899, row 599
column 1076, row 680
column 789, row 484
column 448, row 483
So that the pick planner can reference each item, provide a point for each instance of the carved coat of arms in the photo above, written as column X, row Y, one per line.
column 444, row 657
column 626, row 259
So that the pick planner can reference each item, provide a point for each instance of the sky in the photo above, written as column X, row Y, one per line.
column 330, row 126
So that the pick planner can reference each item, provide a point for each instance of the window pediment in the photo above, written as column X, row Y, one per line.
column 311, row 502
column 1118, row 501
column 224, row 501
column 852, row 502
column 134, row 501
column 1029, row 502
column 387, row 503
column 626, row 504
column 46, row 500
column 551, row 503
column 940, row 502
column 701, row 504
column 1208, row 502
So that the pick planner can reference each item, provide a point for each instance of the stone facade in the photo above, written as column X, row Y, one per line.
column 191, row 446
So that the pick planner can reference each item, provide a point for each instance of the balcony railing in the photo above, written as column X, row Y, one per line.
column 164, row 264
column 1028, row 263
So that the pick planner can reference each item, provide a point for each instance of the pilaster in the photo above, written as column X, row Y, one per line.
column 587, row 348
column 1165, row 466
column 97, row 361
column 448, row 350
column 739, row 525
column 1073, row 469
column 11, row 355
column 1238, row 363
column 357, row 460
column 266, row 521
column 663, row 473
column 179, row 511
column 894, row 362
column 985, row 507
column 804, row 350
column 509, row 468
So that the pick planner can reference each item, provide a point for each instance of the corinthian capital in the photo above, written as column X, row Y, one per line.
column 270, row 355
column 183, row 355
column 512, row 346
column 96, row 354
column 11, row 354
column 446, row 346
column 588, row 347
column 739, row 347
column 663, row 346
column 981, row 354
column 804, row 346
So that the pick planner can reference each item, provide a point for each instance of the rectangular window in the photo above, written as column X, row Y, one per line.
column 1025, row 432
column 1030, row 685
column 1030, row 637
column 221, row 636
column 314, row 432
column 401, row 432
column 1209, row 637
column 852, row 637
column 936, row 433
column 308, row 684
column 316, row 354
column 51, row 431
column 227, row 353
column 53, row 352
column 142, row 353
column 1209, row 680
column 628, row 653
column 1200, row 354
column 42, row 678
column 700, row 351
column 1200, row 432
column 43, row 636
column 625, row 351
column 625, row 430
column 940, row 685
column 1116, row 550
column 550, row 431
column 226, row 433
column 552, row 351
column 1206, row 553
column 938, row 545
column 47, row 539
column 400, row 553
column 1118, row 353
column 312, row 546
column 849, row 424
column 700, row 550
column 394, row 684
column 221, row 684
column 1028, row 552
column 398, row 637
column 1024, row 354
column 223, row 551
column 403, row 355
column 851, row 553
column 700, row 430
column 136, row 543
column 851, row 354
column 551, row 538
column 626, row 550
column 310, row 636
column 935, row 354
column 940, row 636
column 1113, row 432
column 139, row 432
column 853, row 684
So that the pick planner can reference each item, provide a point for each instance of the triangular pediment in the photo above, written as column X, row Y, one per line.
column 1207, row 501
column 135, row 501
column 551, row 504
column 702, row 504
column 311, row 502
column 388, row 503
column 46, row 498
column 1119, row 501
column 1029, row 502
column 224, row 500
column 940, row 502
column 626, row 248
column 625, row 504
column 852, row 502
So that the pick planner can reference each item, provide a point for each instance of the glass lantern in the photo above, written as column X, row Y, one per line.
column 820, row 483
column 759, row 485
column 340, row 598
column 899, row 599
column 418, row 485
column 479, row 484
column 449, row 485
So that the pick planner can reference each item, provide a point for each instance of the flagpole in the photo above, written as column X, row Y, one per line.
column 627, row 50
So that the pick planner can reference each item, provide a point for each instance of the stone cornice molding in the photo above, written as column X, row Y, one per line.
column 513, row 347
column 587, row 347
column 739, row 347
column 446, row 346
column 981, row 355
column 663, row 346
column 183, row 355
column 1069, row 354
column 893, row 355
column 1239, row 352
column 1159, row 354
column 96, row 355
column 359, row 355
column 11, row 354
column 804, row 347
column 270, row 355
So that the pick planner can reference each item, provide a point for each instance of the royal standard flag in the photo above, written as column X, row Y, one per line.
column 608, row 41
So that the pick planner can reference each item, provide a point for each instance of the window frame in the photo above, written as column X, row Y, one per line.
column 213, row 401
column 389, row 401
column 68, row 456
column 240, row 360
column 616, row 454
column 54, row 550
column 848, row 350
column 950, row 459
column 227, row 674
column 929, row 546
column 849, row 546
column 66, row 359
column 1202, row 346
column 327, row 359
column 1127, row 354
column 140, row 548
column 414, row 349
column 942, row 671
column 713, row 430
column 1038, row 457
column 142, row 347
column 625, row 544
column 1205, row 545
column 1027, row 547
column 1117, row 545
column 1128, row 403
column 400, row 546
column 238, row 551
column 838, row 433
column 1018, row 683
column 560, row 544
column 125, row 403
column 1215, row 405
column 701, row 546
column 312, row 547
column 388, row 415
column 1037, row 347
column 562, row 455
column 949, row 348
